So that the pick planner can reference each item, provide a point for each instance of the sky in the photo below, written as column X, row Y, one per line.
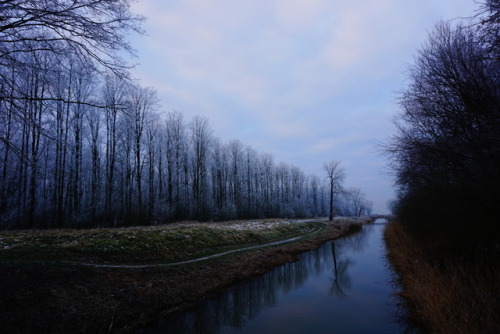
column 308, row 81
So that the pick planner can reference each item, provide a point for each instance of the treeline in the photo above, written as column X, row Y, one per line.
column 78, row 165
column 83, row 145
column 446, row 154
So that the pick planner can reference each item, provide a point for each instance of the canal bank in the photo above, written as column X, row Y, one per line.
column 342, row 286
column 59, row 297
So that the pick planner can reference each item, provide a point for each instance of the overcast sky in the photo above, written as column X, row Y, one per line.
column 306, row 80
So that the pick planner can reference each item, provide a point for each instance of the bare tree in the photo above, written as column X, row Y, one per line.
column 446, row 153
column 315, row 196
column 114, row 95
column 94, row 118
column 335, row 175
column 235, row 148
column 220, row 176
column 489, row 15
column 201, row 137
column 143, row 102
column 358, row 203
column 268, row 186
column 89, row 32
column 176, row 157
column 92, row 30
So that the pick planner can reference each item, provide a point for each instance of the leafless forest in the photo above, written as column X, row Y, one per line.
column 81, row 144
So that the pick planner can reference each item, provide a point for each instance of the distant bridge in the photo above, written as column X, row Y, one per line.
column 387, row 217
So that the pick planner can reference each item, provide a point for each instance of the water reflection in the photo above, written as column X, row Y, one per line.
column 341, row 280
column 238, row 305
column 325, row 283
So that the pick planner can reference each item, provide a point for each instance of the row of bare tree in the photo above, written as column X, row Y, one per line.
column 72, row 164
column 83, row 145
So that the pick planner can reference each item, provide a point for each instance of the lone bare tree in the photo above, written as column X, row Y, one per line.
column 336, row 175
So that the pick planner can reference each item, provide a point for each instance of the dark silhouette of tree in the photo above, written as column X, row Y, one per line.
column 446, row 155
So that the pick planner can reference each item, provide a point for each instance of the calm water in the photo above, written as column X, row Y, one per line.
column 342, row 287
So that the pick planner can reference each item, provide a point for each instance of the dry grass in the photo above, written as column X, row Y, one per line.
column 452, row 296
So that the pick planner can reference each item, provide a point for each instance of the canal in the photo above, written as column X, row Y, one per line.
column 342, row 287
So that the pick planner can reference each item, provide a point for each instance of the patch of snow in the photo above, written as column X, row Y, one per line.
column 250, row 225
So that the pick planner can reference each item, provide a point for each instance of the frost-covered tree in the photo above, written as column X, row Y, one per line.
column 335, row 175
column 82, row 145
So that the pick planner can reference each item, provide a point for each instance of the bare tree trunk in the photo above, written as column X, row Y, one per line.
column 330, row 217
column 335, row 176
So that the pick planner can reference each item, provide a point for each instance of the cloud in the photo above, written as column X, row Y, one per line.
column 330, row 144
column 307, row 80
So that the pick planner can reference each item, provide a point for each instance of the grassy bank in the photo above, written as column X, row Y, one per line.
column 446, row 294
column 139, row 245
column 43, row 290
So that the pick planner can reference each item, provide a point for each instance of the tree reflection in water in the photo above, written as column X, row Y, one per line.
column 341, row 279
column 234, row 308
column 341, row 263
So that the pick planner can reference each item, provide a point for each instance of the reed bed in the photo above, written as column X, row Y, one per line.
column 449, row 295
